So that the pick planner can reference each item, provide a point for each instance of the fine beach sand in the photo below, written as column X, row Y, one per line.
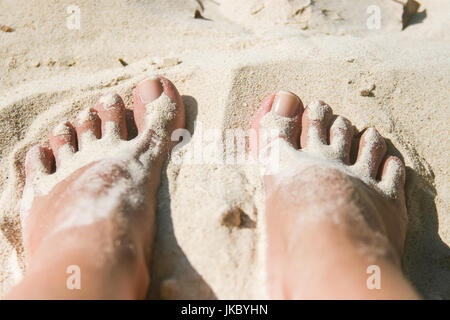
column 225, row 56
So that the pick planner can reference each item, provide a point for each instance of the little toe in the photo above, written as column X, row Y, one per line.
column 63, row 142
column 315, row 122
column 38, row 160
column 289, row 109
column 372, row 149
column 393, row 176
column 341, row 135
column 148, row 91
column 88, row 126
column 111, row 110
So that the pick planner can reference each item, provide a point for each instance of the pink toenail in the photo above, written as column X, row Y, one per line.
column 149, row 90
column 286, row 104
column 61, row 129
column 109, row 100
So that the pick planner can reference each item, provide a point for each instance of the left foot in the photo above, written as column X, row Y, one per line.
column 99, row 202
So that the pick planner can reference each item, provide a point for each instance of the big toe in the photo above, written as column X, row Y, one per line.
column 157, row 103
column 279, row 115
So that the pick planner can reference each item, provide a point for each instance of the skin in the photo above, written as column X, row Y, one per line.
column 320, row 258
column 113, row 253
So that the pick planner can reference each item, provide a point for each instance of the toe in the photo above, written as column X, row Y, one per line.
column 148, row 91
column 38, row 160
column 88, row 126
column 63, row 141
column 264, row 108
column 316, row 119
column 284, row 104
column 393, row 176
column 372, row 149
column 341, row 135
column 111, row 110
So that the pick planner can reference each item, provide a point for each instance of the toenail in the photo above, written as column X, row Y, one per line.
column 85, row 116
column 61, row 129
column 317, row 110
column 286, row 104
column 341, row 124
column 109, row 100
column 150, row 89
column 372, row 136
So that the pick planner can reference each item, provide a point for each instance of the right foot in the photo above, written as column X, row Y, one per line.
column 321, row 209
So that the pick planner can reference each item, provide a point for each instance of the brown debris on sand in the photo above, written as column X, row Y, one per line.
column 410, row 8
column 123, row 62
column 6, row 28
column 368, row 91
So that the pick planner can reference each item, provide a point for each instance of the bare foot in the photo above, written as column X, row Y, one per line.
column 328, row 219
column 90, row 199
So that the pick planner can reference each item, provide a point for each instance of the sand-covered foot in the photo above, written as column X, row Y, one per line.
column 94, row 190
column 322, row 209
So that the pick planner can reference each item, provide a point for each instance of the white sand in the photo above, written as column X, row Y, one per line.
column 210, row 217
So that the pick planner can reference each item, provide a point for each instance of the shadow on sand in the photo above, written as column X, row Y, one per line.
column 173, row 276
column 426, row 260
